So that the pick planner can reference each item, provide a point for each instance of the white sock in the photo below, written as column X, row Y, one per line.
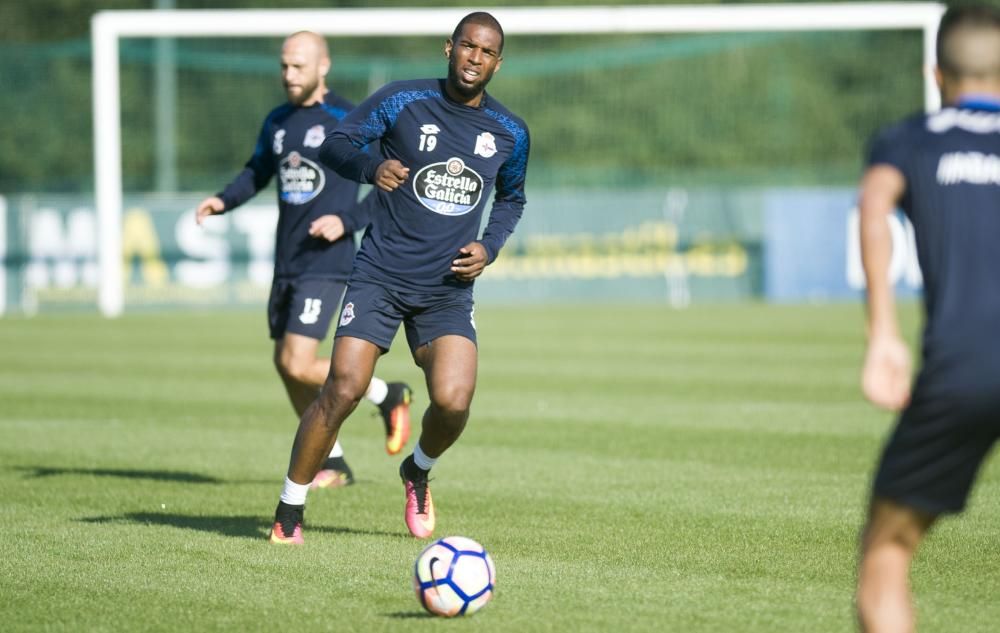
column 338, row 450
column 294, row 494
column 422, row 461
column 377, row 390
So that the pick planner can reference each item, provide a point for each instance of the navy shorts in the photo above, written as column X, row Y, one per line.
column 936, row 449
column 373, row 313
column 303, row 306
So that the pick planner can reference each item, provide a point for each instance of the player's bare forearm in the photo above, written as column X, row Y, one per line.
column 470, row 263
column 876, row 252
column 885, row 376
column 881, row 189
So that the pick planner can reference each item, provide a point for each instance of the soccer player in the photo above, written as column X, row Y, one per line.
column 314, row 251
column 444, row 143
column 943, row 169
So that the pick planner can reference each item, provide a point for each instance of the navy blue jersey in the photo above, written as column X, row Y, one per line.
column 456, row 155
column 288, row 146
column 951, row 163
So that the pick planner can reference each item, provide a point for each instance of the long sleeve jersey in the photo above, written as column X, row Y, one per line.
column 456, row 155
column 288, row 145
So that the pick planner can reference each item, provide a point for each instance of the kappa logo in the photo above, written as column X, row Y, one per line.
column 486, row 145
column 311, row 310
column 347, row 315
column 277, row 145
column 315, row 136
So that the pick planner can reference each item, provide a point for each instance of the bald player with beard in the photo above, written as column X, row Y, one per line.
column 943, row 170
column 318, row 214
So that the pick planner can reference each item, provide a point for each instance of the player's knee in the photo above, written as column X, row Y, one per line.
column 293, row 367
column 890, row 543
column 452, row 401
column 344, row 390
column 894, row 526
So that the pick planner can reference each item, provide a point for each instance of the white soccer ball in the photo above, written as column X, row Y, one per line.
column 454, row 576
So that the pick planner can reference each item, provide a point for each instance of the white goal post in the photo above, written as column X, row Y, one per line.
column 108, row 27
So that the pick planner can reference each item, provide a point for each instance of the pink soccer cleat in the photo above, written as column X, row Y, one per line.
column 419, row 505
column 330, row 478
column 287, row 528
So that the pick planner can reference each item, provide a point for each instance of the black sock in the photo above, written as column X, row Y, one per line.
column 287, row 508
column 411, row 470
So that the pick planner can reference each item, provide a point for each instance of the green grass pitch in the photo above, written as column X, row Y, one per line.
column 629, row 467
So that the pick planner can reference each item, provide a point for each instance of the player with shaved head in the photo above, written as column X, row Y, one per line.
column 943, row 170
column 318, row 214
column 445, row 145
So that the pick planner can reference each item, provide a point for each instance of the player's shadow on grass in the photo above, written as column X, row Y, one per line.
column 236, row 526
column 125, row 473
column 408, row 615
column 36, row 472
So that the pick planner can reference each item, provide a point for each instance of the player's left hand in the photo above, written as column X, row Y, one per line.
column 328, row 227
column 885, row 379
column 470, row 262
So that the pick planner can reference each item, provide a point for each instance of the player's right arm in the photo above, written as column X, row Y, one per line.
column 885, row 378
column 255, row 175
column 509, row 198
column 343, row 150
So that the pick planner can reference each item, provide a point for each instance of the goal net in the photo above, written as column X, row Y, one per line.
column 663, row 137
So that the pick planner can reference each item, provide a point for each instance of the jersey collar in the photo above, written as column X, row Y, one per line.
column 990, row 103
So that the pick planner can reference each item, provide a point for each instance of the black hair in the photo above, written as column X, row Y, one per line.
column 481, row 18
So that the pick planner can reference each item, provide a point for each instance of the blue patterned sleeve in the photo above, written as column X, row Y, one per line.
column 508, row 203
column 343, row 150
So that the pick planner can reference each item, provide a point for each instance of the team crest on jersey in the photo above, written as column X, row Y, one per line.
column 314, row 136
column 486, row 145
column 448, row 188
column 347, row 314
column 301, row 179
column 277, row 144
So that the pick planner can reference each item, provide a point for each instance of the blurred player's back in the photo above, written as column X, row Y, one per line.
column 944, row 170
column 951, row 161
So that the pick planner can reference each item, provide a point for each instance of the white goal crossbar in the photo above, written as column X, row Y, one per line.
column 108, row 27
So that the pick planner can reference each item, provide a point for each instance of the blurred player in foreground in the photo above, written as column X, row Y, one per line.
column 444, row 144
column 943, row 169
column 314, row 251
